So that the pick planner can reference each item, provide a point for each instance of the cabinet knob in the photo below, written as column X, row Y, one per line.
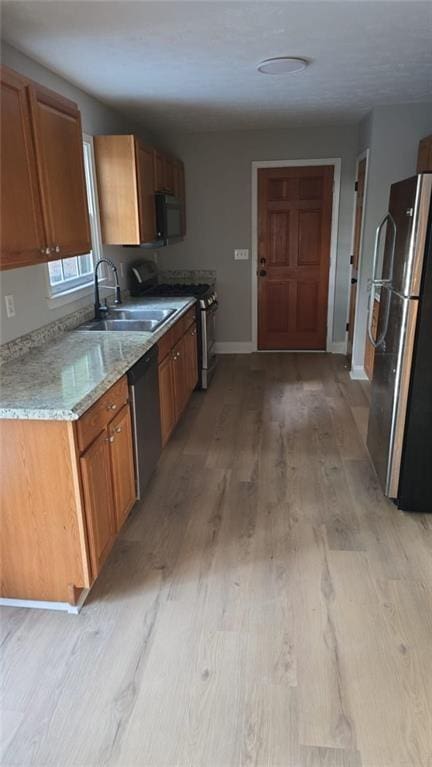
column 118, row 429
column 112, row 407
column 109, row 439
column 57, row 248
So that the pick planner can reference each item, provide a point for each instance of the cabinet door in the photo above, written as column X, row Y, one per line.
column 191, row 356
column 166, row 398
column 122, row 465
column 180, row 376
column 59, row 155
column 22, row 234
column 97, row 488
column 146, row 199
column 159, row 171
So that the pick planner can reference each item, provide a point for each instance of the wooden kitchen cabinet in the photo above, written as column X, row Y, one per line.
column 44, row 209
column 22, row 232
column 166, row 398
column 178, row 371
column 125, row 176
column 122, row 465
column 98, row 500
column 67, row 488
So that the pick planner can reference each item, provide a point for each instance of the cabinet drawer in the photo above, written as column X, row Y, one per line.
column 101, row 413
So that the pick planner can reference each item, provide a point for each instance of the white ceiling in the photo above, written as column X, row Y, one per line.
column 192, row 65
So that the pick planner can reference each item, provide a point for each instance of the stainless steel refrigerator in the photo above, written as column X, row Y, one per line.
column 400, row 420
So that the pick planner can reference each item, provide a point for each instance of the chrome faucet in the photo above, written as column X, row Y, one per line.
column 101, row 310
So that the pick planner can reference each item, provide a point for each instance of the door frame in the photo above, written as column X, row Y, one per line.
column 336, row 162
column 357, row 372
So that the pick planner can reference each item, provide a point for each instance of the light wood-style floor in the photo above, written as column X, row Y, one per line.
column 265, row 605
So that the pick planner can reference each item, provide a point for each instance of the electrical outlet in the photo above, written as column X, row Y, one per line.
column 10, row 306
column 241, row 254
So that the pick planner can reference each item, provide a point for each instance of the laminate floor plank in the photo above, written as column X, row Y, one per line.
column 264, row 605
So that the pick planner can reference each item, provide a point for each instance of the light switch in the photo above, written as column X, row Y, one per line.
column 10, row 306
column 241, row 254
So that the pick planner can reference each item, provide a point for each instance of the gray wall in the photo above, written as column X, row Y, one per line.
column 28, row 284
column 218, row 192
column 392, row 134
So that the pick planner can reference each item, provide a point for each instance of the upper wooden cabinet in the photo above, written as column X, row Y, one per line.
column 424, row 157
column 59, row 156
column 43, row 195
column 22, row 231
column 125, row 175
column 129, row 173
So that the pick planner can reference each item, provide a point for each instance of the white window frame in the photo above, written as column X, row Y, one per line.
column 68, row 291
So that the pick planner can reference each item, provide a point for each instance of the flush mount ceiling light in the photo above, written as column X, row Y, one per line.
column 282, row 65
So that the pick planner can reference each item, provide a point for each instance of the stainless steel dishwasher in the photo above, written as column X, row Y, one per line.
column 144, row 397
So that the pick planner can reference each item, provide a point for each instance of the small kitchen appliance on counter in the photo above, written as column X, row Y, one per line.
column 143, row 281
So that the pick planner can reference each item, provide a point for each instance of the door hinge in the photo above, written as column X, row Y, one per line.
column 356, row 186
column 347, row 327
column 351, row 259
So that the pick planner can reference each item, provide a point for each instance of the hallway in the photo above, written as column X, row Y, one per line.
column 264, row 589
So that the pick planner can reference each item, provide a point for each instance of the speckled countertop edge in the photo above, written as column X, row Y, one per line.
column 140, row 344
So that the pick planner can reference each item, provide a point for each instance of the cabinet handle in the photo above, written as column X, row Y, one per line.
column 112, row 407
column 118, row 429
column 109, row 439
column 45, row 251
column 57, row 248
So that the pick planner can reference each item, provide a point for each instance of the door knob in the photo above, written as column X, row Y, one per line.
column 262, row 272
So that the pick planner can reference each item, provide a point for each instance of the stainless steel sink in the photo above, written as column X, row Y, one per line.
column 140, row 313
column 148, row 326
column 132, row 319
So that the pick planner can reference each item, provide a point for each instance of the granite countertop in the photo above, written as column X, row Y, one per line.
column 61, row 379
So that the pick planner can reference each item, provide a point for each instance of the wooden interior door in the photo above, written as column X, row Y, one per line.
column 59, row 153
column 358, row 219
column 294, row 227
column 22, row 232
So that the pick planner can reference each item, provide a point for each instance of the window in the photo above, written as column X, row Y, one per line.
column 71, row 274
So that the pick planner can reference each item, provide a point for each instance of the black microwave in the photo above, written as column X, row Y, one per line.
column 169, row 217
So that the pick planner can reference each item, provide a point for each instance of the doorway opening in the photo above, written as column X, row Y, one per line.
column 295, row 207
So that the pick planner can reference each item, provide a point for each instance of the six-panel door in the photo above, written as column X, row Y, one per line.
column 294, row 225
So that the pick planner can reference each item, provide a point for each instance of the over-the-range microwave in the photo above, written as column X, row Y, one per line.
column 169, row 215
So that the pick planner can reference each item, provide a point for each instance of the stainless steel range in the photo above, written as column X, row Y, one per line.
column 143, row 281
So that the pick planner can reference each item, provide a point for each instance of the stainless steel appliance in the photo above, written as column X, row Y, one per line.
column 169, row 217
column 143, row 281
column 144, row 397
column 400, row 421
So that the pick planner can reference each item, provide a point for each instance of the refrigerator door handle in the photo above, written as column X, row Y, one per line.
column 377, row 283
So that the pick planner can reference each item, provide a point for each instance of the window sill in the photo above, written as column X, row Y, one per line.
column 68, row 296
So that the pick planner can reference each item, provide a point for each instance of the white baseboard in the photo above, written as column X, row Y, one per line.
column 337, row 348
column 39, row 604
column 358, row 373
column 234, row 347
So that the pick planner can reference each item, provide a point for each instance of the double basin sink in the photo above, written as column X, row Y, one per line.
column 131, row 319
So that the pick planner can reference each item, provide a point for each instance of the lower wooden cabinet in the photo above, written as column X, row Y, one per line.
column 178, row 375
column 122, row 465
column 66, row 491
column 166, row 398
column 98, row 500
